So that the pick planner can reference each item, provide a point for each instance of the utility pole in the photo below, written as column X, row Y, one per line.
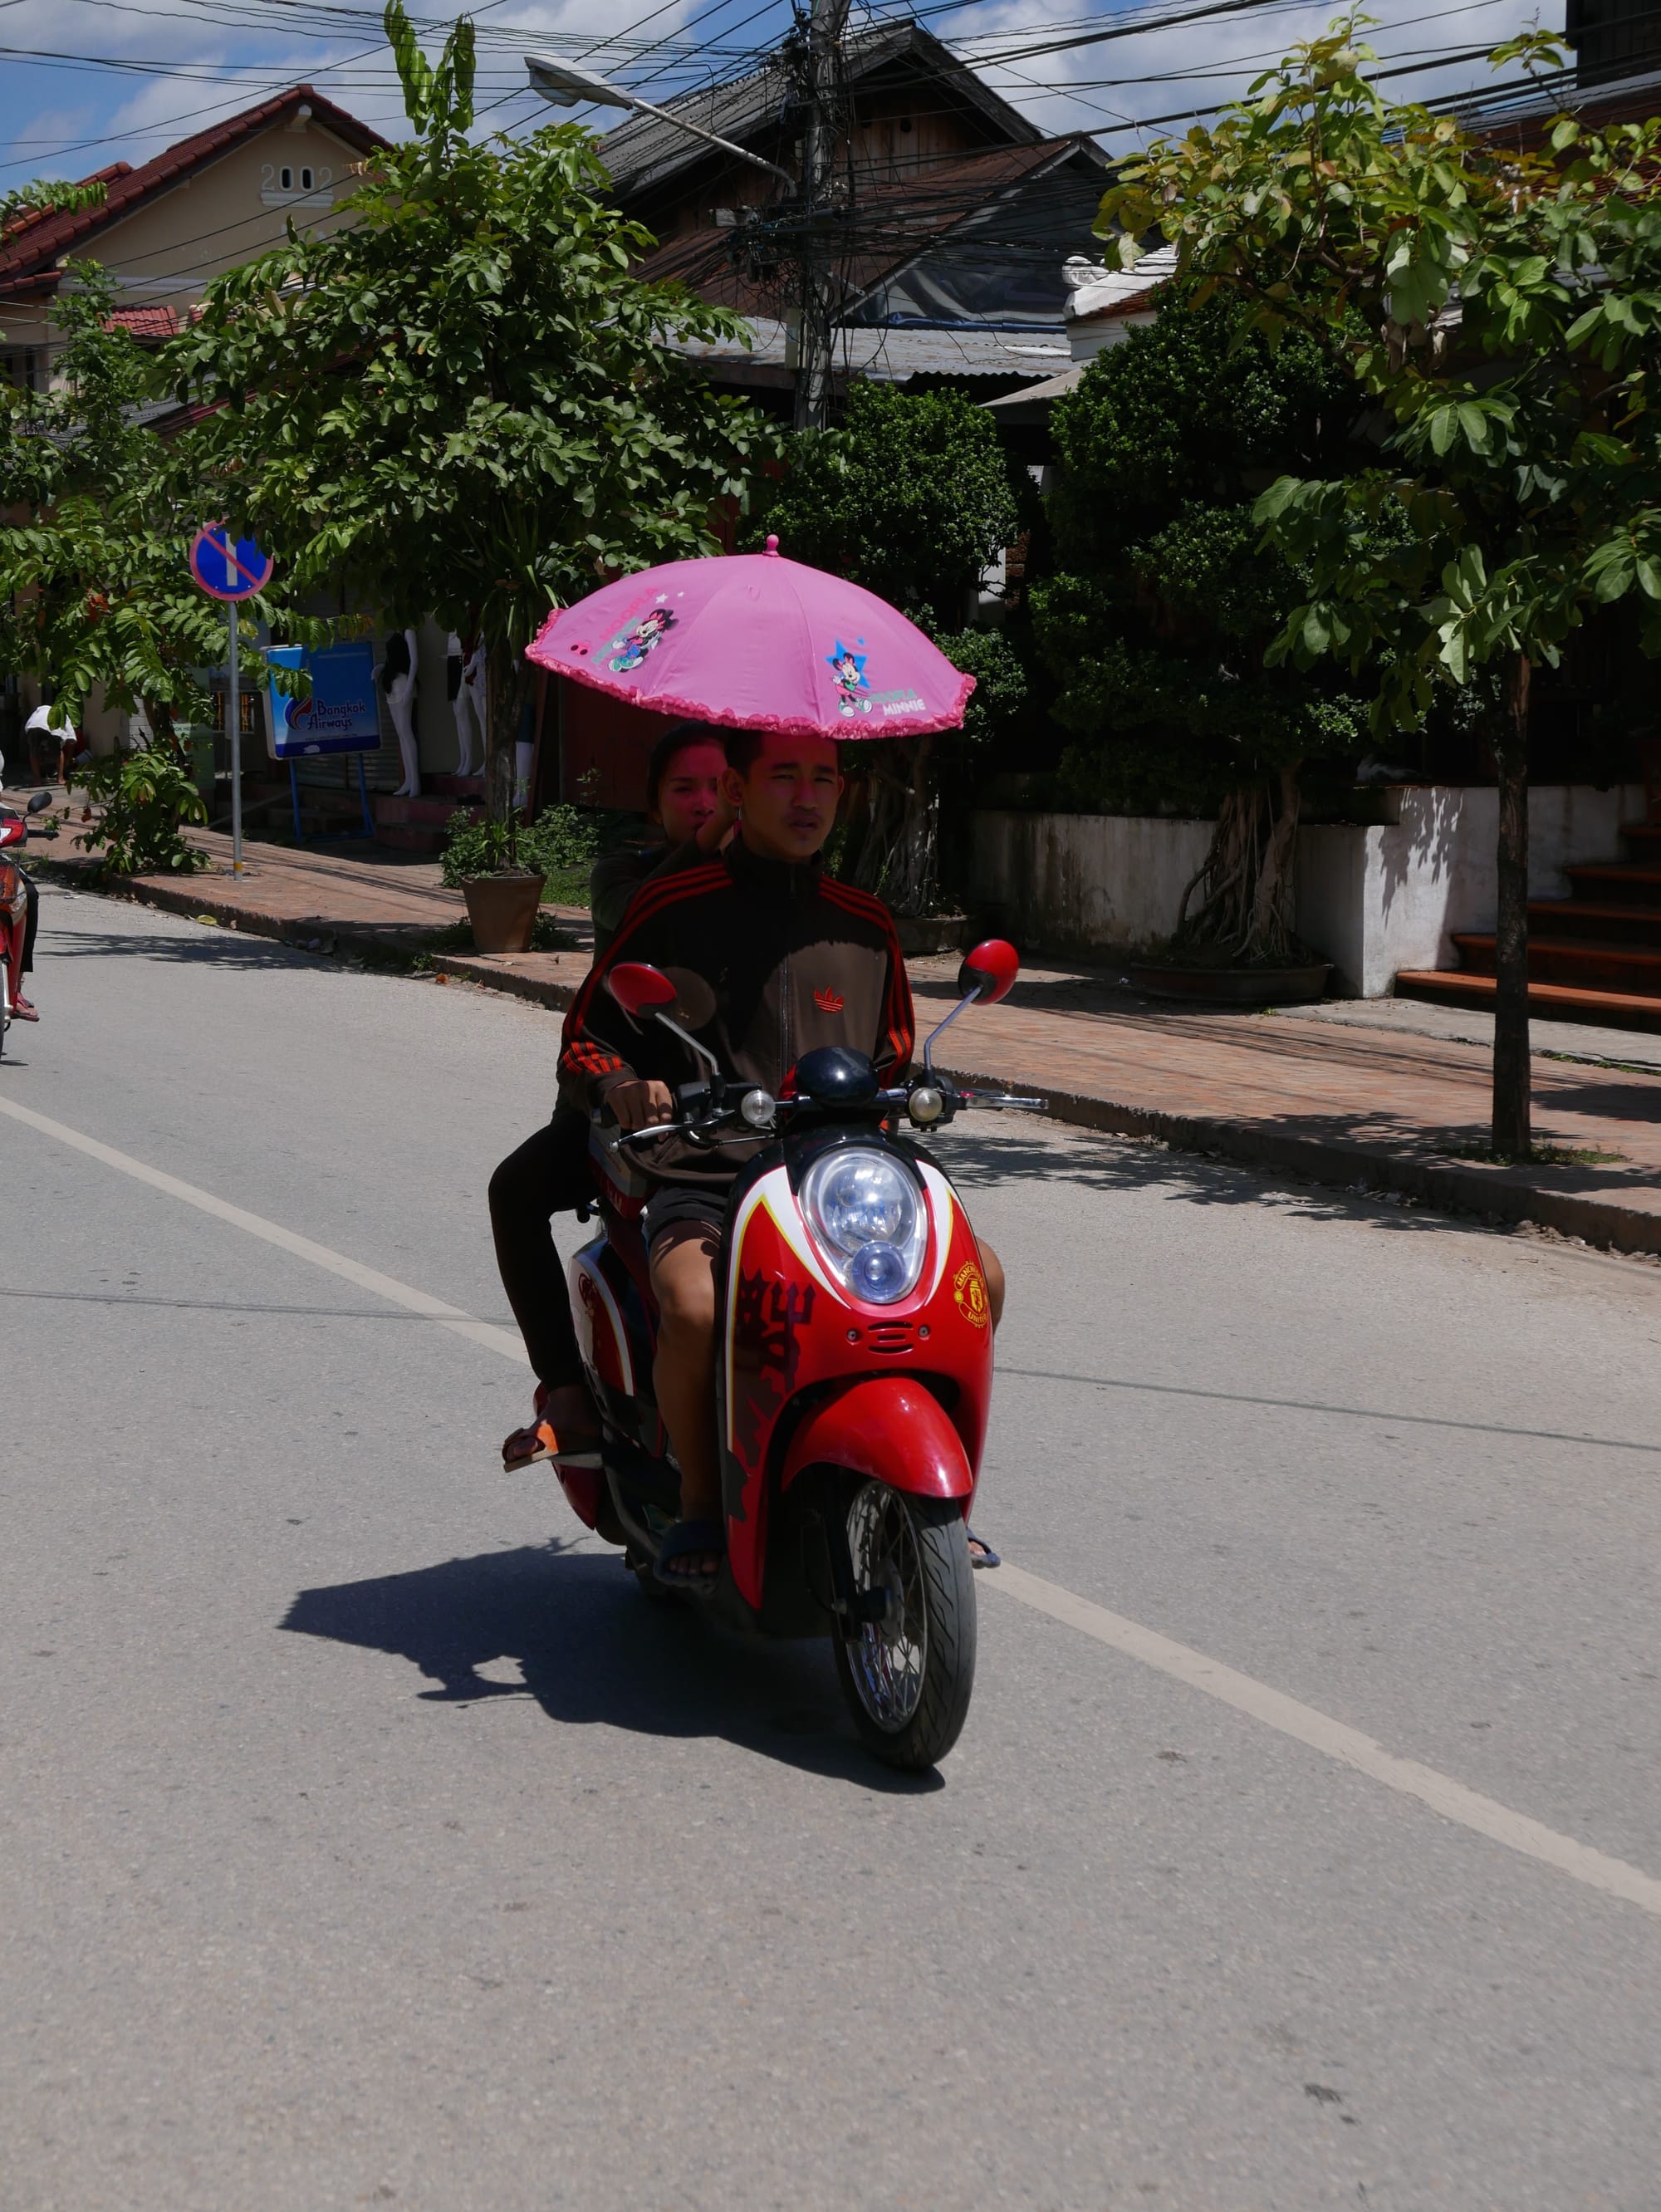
column 822, row 91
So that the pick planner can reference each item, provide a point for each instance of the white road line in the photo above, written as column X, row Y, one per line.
column 270, row 1232
column 1347, row 1745
column 1484, row 1816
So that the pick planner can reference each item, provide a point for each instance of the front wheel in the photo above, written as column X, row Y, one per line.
column 908, row 1675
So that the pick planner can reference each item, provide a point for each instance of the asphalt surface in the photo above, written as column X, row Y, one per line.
column 366, row 1839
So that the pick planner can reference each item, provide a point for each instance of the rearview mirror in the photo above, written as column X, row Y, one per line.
column 41, row 802
column 989, row 971
column 639, row 989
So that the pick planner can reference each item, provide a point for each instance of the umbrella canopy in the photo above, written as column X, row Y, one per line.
column 754, row 642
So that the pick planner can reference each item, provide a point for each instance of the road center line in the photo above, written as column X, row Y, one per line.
column 1484, row 1816
column 494, row 1339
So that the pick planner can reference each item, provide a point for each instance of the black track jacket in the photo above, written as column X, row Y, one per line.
column 770, row 959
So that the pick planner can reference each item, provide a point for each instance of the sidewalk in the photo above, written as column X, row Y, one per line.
column 1361, row 1095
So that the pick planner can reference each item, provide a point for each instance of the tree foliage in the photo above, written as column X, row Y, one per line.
column 1155, row 622
column 95, row 592
column 461, row 403
column 1502, row 307
column 909, row 494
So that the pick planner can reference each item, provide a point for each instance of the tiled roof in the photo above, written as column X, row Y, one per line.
column 142, row 323
column 14, row 230
column 894, row 221
column 30, row 249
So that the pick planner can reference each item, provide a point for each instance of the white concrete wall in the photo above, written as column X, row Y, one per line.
column 1373, row 898
column 1085, row 879
column 1390, row 897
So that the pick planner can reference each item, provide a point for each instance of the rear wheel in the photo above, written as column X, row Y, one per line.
column 908, row 1675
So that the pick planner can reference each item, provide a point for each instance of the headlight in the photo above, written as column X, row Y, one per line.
column 869, row 1216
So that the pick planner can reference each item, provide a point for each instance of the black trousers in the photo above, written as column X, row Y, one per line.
column 31, row 922
column 548, row 1175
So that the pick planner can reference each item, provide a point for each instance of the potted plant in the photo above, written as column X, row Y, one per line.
column 481, row 861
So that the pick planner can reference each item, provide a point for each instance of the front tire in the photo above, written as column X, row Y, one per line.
column 908, row 1677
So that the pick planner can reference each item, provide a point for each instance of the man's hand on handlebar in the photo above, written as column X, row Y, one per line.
column 640, row 1105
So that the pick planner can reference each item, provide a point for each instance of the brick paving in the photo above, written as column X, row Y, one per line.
column 1349, row 1105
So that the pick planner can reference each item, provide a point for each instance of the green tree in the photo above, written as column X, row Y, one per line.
column 95, row 596
column 910, row 496
column 460, row 402
column 913, row 497
column 1156, row 622
column 1502, row 309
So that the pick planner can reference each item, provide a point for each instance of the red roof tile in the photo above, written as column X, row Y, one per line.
column 143, row 323
column 31, row 249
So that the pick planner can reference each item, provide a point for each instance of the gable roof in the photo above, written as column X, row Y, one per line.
column 643, row 152
column 30, row 249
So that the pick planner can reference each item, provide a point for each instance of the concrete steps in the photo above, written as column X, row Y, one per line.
column 1593, row 957
column 1557, row 1002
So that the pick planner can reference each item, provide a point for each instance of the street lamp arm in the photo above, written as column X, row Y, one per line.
column 710, row 138
column 563, row 84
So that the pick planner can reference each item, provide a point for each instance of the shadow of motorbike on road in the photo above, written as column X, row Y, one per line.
column 592, row 1649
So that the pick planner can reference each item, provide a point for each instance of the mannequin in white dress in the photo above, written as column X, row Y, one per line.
column 398, row 677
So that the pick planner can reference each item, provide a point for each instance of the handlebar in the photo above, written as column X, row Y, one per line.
column 928, row 1103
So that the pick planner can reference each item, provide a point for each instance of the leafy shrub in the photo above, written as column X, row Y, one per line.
column 560, row 843
column 147, row 797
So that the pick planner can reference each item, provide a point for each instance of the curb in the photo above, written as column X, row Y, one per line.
column 1449, row 1187
column 1494, row 1195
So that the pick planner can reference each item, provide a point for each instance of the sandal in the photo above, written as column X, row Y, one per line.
column 581, row 1447
column 684, row 1541
column 981, row 1553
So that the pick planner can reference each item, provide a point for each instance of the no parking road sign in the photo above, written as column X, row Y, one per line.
column 228, row 567
column 231, row 568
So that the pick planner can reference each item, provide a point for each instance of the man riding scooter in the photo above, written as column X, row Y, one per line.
column 771, row 958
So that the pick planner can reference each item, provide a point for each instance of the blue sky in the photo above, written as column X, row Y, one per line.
column 92, row 81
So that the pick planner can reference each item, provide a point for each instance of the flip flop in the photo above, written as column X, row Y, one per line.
column 526, row 1446
column 986, row 1557
column 685, row 1539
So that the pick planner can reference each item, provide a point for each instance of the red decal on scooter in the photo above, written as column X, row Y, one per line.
column 828, row 1001
column 970, row 1291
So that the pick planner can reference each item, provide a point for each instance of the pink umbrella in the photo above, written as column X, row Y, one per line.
column 757, row 642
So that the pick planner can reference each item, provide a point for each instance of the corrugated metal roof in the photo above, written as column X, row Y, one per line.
column 892, row 355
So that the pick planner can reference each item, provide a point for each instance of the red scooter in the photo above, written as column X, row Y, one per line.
column 15, row 829
column 854, row 1375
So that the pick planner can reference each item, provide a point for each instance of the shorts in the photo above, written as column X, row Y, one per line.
column 671, row 1203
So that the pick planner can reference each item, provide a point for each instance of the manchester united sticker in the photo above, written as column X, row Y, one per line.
column 969, row 1289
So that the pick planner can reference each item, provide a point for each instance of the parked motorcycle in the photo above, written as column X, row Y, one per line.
column 15, row 829
column 854, row 1376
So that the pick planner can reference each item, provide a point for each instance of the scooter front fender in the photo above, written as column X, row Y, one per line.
column 890, row 1429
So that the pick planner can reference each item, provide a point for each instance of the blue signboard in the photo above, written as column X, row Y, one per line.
column 341, row 716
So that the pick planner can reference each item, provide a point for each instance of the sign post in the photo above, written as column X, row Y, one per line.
column 232, row 569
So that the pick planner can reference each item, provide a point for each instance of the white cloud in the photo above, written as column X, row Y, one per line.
column 1106, row 88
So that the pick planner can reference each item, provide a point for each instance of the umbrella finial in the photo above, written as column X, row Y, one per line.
column 771, row 547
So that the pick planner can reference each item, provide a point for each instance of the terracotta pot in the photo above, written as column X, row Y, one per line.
column 1233, row 986
column 503, row 910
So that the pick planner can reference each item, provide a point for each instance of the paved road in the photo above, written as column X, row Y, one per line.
column 367, row 1840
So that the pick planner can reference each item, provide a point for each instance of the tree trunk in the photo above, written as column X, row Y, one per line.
column 1245, row 884
column 895, row 826
column 508, row 684
column 1512, row 1131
